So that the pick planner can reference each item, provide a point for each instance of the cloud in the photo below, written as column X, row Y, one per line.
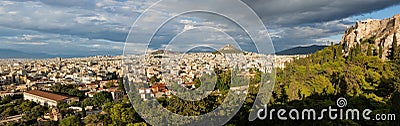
column 30, row 43
column 49, row 17
column 65, row 3
column 315, row 33
column 73, row 27
column 294, row 12
column 294, row 23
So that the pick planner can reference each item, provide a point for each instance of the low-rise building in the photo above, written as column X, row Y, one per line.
column 116, row 94
column 47, row 99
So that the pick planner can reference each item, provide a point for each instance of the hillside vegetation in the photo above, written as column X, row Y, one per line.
column 365, row 80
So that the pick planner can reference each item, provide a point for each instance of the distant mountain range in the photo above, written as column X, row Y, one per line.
column 225, row 49
column 291, row 51
column 301, row 50
column 15, row 54
column 9, row 53
column 201, row 49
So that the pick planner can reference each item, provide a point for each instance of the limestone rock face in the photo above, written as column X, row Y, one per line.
column 381, row 32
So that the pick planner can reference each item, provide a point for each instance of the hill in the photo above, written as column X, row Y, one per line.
column 229, row 49
column 201, row 50
column 301, row 50
column 9, row 53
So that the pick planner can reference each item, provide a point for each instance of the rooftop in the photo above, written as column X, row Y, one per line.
column 48, row 95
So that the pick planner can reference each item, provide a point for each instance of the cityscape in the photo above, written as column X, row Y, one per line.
column 208, row 62
column 40, row 80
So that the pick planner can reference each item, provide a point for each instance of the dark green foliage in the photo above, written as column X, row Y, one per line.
column 395, row 49
column 380, row 51
column 317, row 82
column 31, row 115
column 370, row 40
column 121, row 85
column 339, row 52
column 68, row 90
column 358, row 49
column 102, row 97
column 117, row 113
column 70, row 121
column 30, row 110
column 6, row 99
column 197, row 82
column 369, row 51
column 154, row 79
column 223, row 80
column 50, row 123
column 122, row 114
column 83, row 113
column 365, row 79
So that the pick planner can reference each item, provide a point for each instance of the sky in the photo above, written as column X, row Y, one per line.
column 101, row 27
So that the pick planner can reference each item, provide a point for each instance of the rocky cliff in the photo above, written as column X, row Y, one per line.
column 372, row 34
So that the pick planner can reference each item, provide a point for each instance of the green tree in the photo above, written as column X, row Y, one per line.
column 102, row 97
column 83, row 110
column 6, row 99
column 107, row 107
column 358, row 49
column 197, row 82
column 93, row 119
column 369, row 51
column 31, row 115
column 284, row 97
column 87, row 102
column 395, row 108
column 70, row 121
column 68, row 90
column 110, row 84
column 63, row 105
column 122, row 115
column 8, row 112
column 395, row 48
column 121, row 85
column 12, row 124
column 116, row 114
column 339, row 52
column 153, row 79
column 50, row 123
column 26, row 105
column 380, row 51
column 140, row 124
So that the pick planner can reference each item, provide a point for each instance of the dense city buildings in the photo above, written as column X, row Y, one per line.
column 163, row 69
column 19, row 75
column 59, row 82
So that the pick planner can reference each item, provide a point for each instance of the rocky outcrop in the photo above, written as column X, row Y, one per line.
column 373, row 33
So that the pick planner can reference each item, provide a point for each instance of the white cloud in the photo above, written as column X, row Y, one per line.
column 90, row 19
column 67, row 26
column 30, row 43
